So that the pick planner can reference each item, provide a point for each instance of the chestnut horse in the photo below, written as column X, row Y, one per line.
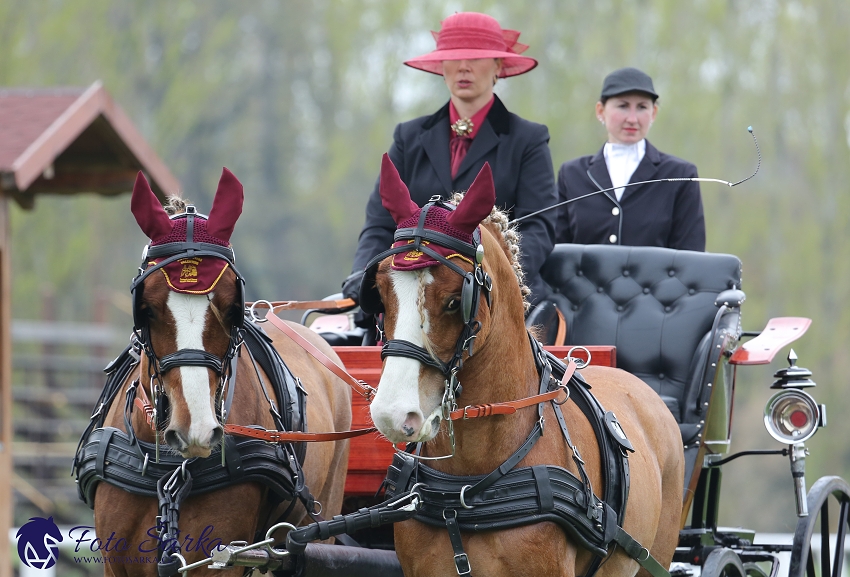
column 425, row 304
column 179, row 319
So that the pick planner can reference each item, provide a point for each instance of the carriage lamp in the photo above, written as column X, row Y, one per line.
column 792, row 416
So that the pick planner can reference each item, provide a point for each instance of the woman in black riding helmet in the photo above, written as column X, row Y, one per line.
column 667, row 214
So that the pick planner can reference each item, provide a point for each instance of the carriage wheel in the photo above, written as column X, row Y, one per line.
column 723, row 563
column 818, row 500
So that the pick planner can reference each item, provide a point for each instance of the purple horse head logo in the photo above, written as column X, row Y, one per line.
column 38, row 543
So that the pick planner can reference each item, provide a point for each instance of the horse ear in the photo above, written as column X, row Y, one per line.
column 148, row 211
column 477, row 203
column 227, row 206
column 394, row 193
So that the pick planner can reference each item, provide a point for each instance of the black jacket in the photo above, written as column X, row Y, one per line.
column 667, row 214
column 518, row 153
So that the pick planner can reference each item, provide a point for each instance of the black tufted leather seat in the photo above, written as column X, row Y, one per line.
column 658, row 307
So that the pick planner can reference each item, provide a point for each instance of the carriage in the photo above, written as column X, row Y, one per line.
column 672, row 318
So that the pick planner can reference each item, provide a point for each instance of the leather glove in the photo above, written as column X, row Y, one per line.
column 351, row 286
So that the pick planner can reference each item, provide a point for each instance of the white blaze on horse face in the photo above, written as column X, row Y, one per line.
column 190, row 314
column 396, row 409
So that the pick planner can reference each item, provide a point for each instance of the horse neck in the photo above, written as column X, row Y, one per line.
column 249, row 403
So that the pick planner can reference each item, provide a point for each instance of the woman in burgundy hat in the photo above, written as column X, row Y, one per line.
column 442, row 153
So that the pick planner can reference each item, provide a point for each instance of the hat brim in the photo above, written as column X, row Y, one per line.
column 512, row 64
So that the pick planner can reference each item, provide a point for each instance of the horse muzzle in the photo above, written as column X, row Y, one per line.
column 193, row 446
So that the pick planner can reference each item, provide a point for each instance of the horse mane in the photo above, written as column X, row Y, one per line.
column 511, row 237
column 175, row 205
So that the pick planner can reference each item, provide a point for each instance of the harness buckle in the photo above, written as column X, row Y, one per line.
column 462, row 564
column 462, row 499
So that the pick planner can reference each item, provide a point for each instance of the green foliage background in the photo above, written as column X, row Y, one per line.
column 299, row 99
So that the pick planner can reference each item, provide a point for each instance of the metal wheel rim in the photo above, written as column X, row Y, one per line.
column 818, row 499
column 723, row 563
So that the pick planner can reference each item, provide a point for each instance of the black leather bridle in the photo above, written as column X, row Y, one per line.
column 475, row 283
column 224, row 366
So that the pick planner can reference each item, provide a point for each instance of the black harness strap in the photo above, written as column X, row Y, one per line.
column 461, row 559
column 190, row 358
column 171, row 491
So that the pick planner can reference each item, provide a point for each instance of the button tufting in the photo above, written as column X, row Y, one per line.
column 625, row 273
column 575, row 307
column 668, row 309
column 691, row 291
column 620, row 308
column 646, row 290
column 599, row 289
column 579, row 273
column 671, row 272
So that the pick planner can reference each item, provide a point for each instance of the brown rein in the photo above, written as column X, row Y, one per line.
column 469, row 412
column 303, row 305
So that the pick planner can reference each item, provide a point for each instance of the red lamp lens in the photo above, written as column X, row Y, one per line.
column 799, row 419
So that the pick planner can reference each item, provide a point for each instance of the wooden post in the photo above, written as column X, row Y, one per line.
column 6, row 466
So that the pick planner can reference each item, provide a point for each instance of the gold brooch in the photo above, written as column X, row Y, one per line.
column 463, row 127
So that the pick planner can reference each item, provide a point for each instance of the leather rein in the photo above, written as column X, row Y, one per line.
column 468, row 412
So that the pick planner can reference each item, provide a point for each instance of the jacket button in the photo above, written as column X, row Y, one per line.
column 612, row 239
column 661, row 376
column 615, row 211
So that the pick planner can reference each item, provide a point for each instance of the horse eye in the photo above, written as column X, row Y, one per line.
column 453, row 305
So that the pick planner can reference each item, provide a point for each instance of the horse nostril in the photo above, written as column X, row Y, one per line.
column 215, row 437
column 411, row 424
column 175, row 440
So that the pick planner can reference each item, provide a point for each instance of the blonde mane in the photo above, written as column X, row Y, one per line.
column 511, row 237
column 175, row 205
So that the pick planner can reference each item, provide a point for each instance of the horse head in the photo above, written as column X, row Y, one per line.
column 435, row 299
column 187, row 300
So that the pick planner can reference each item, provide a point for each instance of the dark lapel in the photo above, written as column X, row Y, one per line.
column 598, row 170
column 496, row 124
column 646, row 170
column 435, row 143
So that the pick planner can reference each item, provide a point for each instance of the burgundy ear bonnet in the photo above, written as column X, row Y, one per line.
column 192, row 275
column 459, row 223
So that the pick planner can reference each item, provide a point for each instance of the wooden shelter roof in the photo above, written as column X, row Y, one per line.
column 72, row 140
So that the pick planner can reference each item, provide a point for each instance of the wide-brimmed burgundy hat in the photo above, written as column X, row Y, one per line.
column 471, row 35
